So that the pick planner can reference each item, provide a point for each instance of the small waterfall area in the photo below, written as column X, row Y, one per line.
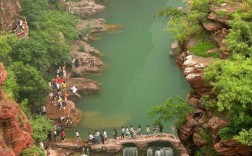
column 130, row 151
column 167, row 151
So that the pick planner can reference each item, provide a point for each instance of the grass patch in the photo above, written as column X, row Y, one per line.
column 202, row 47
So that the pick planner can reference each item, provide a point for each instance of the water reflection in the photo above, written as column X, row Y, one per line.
column 98, row 120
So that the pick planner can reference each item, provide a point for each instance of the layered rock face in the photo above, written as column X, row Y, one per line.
column 8, row 13
column 84, row 8
column 15, row 129
column 201, row 120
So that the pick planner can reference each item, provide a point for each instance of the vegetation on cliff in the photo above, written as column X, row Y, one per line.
column 230, row 76
column 30, row 61
column 171, row 110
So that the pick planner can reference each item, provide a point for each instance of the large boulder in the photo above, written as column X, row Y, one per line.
column 193, row 70
column 212, row 25
column 83, row 8
column 92, row 25
column 88, row 64
column 83, row 46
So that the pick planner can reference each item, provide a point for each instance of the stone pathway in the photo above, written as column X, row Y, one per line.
column 114, row 146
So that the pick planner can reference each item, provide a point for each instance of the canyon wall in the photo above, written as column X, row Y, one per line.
column 15, row 129
column 204, row 121
column 8, row 14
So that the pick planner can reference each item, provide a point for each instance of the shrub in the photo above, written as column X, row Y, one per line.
column 40, row 126
column 170, row 110
column 33, row 151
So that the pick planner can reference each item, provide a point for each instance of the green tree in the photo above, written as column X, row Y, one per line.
column 31, row 84
column 231, row 81
column 5, row 46
column 245, row 137
column 170, row 110
column 239, row 38
column 40, row 126
column 10, row 86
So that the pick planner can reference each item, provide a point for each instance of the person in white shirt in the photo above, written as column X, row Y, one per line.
column 77, row 135
column 74, row 89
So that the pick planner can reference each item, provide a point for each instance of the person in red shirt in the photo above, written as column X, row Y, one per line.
column 63, row 134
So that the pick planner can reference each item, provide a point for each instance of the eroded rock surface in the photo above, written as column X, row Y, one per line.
column 8, row 14
column 83, row 8
column 15, row 129
column 92, row 25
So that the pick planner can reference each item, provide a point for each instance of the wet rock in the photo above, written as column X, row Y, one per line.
column 15, row 129
column 232, row 148
column 83, row 8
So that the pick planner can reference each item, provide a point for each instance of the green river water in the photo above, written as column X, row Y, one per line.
column 139, row 73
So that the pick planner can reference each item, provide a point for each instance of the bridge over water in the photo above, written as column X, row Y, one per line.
column 114, row 146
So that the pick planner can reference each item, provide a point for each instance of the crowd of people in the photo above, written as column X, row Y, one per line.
column 58, row 95
column 127, row 132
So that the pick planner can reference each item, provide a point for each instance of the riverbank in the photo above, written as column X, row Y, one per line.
column 85, row 60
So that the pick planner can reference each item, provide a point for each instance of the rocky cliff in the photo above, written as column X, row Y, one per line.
column 8, row 14
column 202, row 125
column 193, row 134
column 15, row 129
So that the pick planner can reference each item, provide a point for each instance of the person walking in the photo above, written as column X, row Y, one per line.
column 154, row 129
column 173, row 131
column 77, row 135
column 105, row 135
column 139, row 130
column 102, row 137
column 115, row 134
column 127, row 132
column 132, row 131
column 55, row 135
column 63, row 135
column 122, row 132
column 147, row 130
column 161, row 127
